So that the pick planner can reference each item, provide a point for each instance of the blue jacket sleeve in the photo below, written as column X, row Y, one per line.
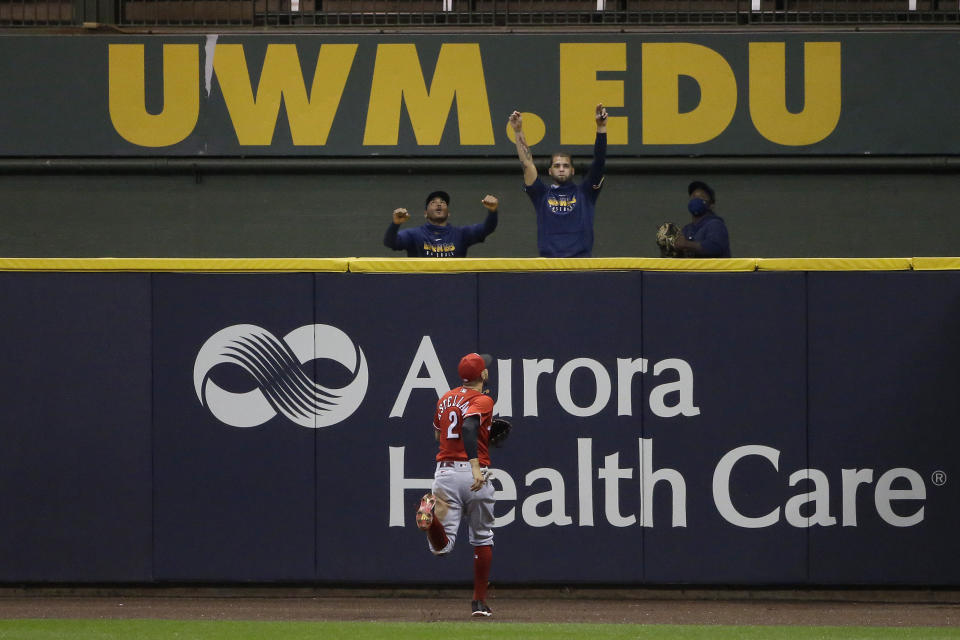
column 478, row 232
column 595, row 175
column 392, row 238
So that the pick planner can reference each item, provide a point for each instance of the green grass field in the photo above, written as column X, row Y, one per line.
column 479, row 629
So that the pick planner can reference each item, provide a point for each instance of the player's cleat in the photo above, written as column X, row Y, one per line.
column 425, row 511
column 480, row 609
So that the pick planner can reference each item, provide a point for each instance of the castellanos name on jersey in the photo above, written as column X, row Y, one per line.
column 561, row 203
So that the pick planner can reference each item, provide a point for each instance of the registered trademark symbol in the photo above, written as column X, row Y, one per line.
column 939, row 478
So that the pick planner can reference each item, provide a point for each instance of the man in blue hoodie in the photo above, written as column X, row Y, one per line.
column 564, row 209
column 706, row 236
column 436, row 238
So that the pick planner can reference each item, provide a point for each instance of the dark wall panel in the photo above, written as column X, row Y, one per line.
column 392, row 318
column 883, row 380
column 686, row 428
column 582, row 322
column 75, row 462
column 232, row 503
column 743, row 337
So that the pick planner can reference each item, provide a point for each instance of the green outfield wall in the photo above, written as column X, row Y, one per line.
column 449, row 94
column 330, row 215
column 819, row 143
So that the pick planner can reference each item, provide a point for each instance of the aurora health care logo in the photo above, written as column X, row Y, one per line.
column 283, row 384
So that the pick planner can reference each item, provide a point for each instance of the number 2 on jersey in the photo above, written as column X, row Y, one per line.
column 454, row 417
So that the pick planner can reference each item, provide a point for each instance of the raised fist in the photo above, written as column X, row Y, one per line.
column 601, row 115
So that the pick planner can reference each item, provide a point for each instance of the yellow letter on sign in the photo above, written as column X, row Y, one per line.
column 398, row 79
column 181, row 94
column 663, row 64
column 254, row 119
column 580, row 91
column 821, row 93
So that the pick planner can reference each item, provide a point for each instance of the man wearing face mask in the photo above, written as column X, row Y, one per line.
column 706, row 236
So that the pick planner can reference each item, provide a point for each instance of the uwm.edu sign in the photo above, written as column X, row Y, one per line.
column 450, row 95
column 312, row 93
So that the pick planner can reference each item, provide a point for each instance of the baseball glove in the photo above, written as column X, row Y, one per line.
column 666, row 237
column 499, row 431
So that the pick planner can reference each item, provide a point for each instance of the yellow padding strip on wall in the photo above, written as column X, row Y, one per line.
column 174, row 264
column 936, row 264
column 834, row 264
column 701, row 264
column 457, row 265
column 474, row 265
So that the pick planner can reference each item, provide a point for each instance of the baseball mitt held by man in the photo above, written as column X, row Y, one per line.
column 667, row 234
column 499, row 431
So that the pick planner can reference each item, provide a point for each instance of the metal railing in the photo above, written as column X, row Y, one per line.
column 333, row 13
column 44, row 13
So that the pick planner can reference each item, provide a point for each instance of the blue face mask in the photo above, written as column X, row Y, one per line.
column 698, row 206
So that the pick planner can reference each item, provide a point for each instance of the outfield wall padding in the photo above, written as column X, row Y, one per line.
column 670, row 427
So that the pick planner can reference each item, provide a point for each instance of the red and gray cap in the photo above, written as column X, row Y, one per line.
column 472, row 365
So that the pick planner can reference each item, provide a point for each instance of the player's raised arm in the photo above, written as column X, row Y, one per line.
column 595, row 174
column 475, row 233
column 523, row 151
column 601, row 117
column 492, row 205
column 391, row 239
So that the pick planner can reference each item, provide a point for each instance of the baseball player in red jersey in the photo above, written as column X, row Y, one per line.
column 462, row 428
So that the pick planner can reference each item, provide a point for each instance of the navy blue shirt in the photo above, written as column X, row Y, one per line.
column 432, row 241
column 711, row 232
column 565, row 212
